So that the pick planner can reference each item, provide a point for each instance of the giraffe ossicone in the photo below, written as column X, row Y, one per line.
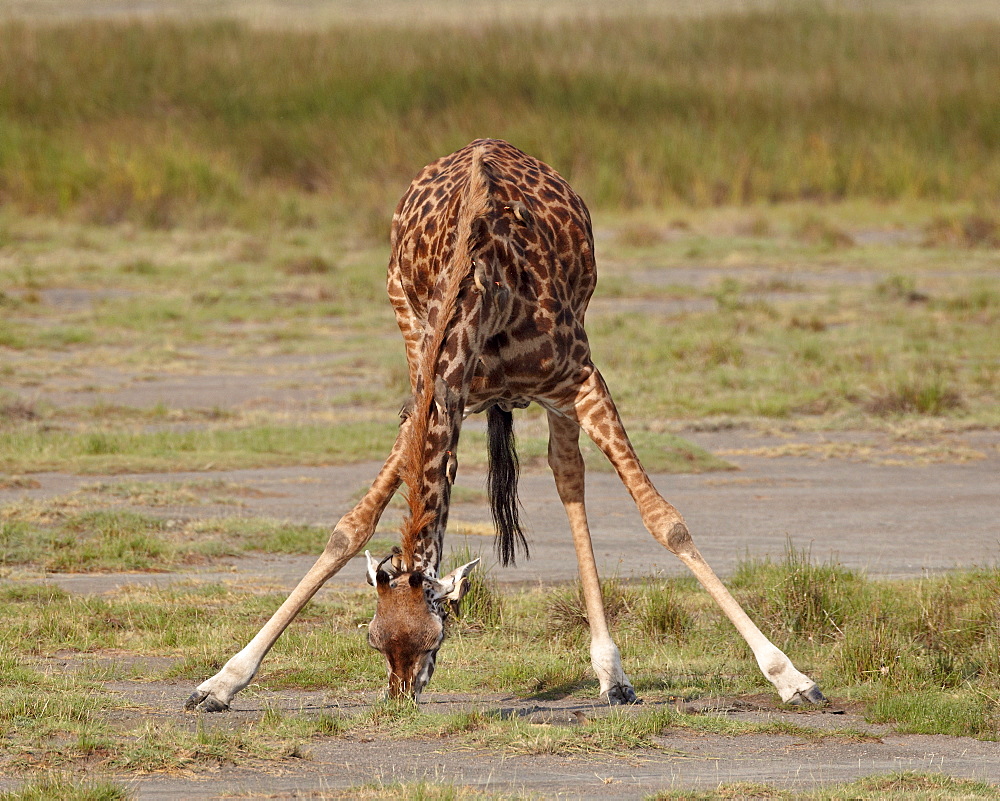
column 490, row 273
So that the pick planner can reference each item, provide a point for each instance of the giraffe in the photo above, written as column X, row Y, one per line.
column 490, row 273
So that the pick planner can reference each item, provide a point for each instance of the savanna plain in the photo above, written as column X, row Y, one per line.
column 798, row 236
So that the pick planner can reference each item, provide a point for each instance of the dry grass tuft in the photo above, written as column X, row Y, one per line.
column 307, row 265
column 816, row 230
column 16, row 410
column 567, row 610
column 976, row 230
column 924, row 395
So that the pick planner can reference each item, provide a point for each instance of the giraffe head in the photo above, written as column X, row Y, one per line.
column 408, row 627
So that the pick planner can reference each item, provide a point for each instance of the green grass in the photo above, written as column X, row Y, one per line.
column 845, row 354
column 248, row 123
column 57, row 537
column 870, row 336
column 919, row 655
column 73, row 534
column 55, row 787
column 103, row 450
column 271, row 191
column 107, row 451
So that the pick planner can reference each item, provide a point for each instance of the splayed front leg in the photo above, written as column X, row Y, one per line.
column 348, row 538
column 216, row 693
column 793, row 686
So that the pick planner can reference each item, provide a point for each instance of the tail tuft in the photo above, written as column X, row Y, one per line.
column 501, row 480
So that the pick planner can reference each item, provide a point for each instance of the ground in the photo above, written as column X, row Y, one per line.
column 891, row 495
column 890, row 519
column 682, row 759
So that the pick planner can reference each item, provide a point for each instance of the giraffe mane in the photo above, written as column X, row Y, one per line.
column 475, row 206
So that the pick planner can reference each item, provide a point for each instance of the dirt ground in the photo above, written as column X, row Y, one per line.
column 885, row 515
column 683, row 760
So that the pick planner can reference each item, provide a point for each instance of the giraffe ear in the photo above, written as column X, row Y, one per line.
column 372, row 568
column 455, row 584
column 376, row 575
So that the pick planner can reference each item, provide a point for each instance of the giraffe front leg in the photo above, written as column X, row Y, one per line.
column 216, row 693
column 347, row 539
column 595, row 412
column 568, row 468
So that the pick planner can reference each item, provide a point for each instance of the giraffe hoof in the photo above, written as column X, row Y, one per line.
column 201, row 701
column 810, row 696
column 619, row 695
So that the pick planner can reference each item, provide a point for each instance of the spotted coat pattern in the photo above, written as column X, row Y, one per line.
column 516, row 333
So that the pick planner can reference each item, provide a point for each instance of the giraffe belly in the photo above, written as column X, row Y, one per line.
column 518, row 385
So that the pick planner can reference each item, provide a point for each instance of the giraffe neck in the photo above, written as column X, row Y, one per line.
column 423, row 549
column 442, row 385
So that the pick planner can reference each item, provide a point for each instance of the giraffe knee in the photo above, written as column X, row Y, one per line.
column 678, row 538
column 338, row 543
column 341, row 543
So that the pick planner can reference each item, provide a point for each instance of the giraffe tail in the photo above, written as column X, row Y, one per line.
column 501, row 481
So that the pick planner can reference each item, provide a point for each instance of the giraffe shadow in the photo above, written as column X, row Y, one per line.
column 557, row 692
column 545, row 716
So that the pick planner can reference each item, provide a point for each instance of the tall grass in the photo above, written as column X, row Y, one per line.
column 160, row 121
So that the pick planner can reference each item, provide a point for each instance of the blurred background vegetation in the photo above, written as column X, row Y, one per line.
column 795, row 202
column 185, row 119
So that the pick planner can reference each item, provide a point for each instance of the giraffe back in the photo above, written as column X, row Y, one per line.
column 490, row 273
column 535, row 245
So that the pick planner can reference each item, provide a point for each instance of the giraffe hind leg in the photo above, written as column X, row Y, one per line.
column 594, row 410
column 568, row 469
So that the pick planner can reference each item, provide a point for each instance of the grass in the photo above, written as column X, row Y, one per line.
column 105, row 450
column 118, row 451
column 899, row 785
column 795, row 598
column 843, row 355
column 54, row 787
column 248, row 123
column 707, row 322
column 920, row 655
column 935, row 638
column 425, row 791
column 58, row 537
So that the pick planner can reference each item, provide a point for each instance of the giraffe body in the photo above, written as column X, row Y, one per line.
column 490, row 273
column 513, row 243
